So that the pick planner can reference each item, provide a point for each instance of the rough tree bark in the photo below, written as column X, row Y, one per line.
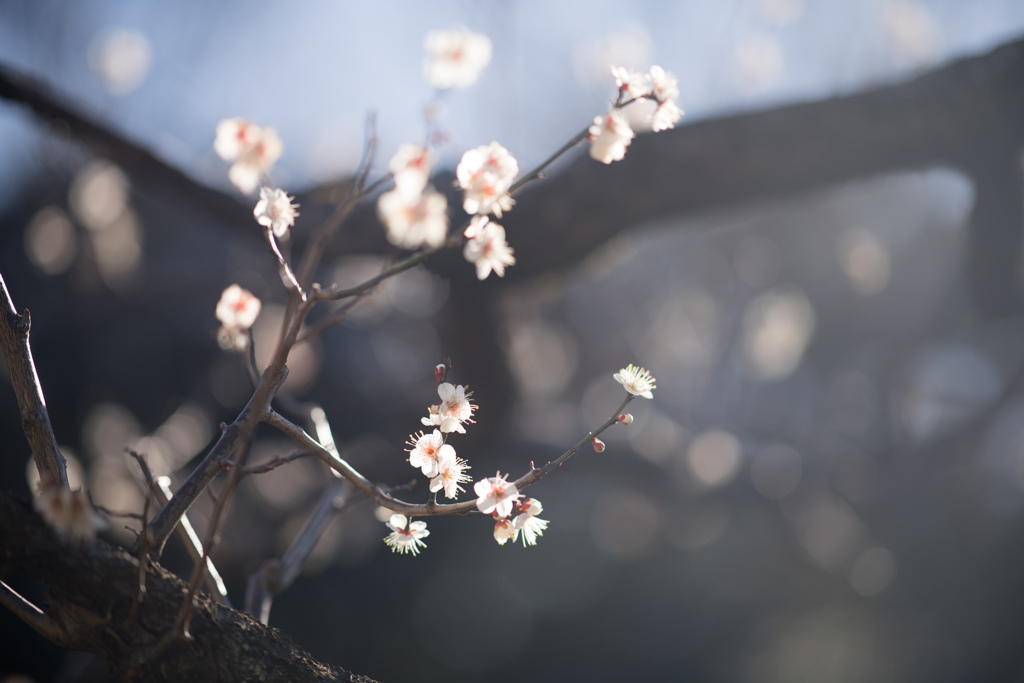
column 968, row 115
column 90, row 595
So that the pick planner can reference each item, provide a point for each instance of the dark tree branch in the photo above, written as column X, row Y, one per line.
column 90, row 591
column 35, row 420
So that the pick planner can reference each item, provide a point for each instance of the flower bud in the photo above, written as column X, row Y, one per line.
column 598, row 445
column 440, row 371
column 503, row 531
column 625, row 418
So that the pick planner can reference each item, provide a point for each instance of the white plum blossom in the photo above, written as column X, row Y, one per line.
column 486, row 173
column 455, row 57
column 527, row 522
column 664, row 90
column 414, row 220
column 411, row 168
column 275, row 210
column 454, row 410
column 487, row 249
column 503, row 531
column 69, row 513
column 495, row 495
column 237, row 308
column 610, row 136
column 637, row 381
column 252, row 148
column 475, row 223
column 405, row 537
column 450, row 473
column 632, row 83
column 427, row 451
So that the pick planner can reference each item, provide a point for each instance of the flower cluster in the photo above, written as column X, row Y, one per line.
column 486, row 173
column 252, row 148
column 69, row 513
column 498, row 497
column 611, row 134
column 237, row 310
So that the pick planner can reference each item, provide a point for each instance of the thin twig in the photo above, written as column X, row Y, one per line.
column 383, row 498
column 35, row 420
column 214, row 582
column 140, row 591
column 30, row 614
column 284, row 264
column 274, row 463
column 276, row 576
column 181, row 623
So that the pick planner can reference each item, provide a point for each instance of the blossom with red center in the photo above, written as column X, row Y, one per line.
column 405, row 536
column 454, row 410
column 411, row 168
column 610, row 136
column 254, row 150
column 527, row 523
column 486, row 173
column 427, row 451
column 451, row 472
column 414, row 220
column 69, row 513
column 455, row 57
column 488, row 250
column 495, row 495
column 237, row 308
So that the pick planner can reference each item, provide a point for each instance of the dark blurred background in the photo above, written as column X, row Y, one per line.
column 828, row 486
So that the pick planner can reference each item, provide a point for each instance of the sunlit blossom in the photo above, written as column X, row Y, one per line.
column 503, row 531
column 427, row 450
column 664, row 90
column 637, row 381
column 488, row 250
column 238, row 308
column 632, row 83
column 254, row 150
column 405, row 537
column 454, row 410
column 527, row 522
column 486, row 173
column 610, row 136
column 411, row 168
column 275, row 210
column 412, row 221
column 450, row 474
column 495, row 495
column 455, row 57
column 69, row 513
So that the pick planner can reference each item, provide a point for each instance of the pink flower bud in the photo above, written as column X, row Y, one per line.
column 625, row 418
column 598, row 445
column 440, row 370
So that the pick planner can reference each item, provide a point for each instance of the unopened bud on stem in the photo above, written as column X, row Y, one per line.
column 598, row 445
column 625, row 418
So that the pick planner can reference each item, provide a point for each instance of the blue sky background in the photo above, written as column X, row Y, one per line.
column 314, row 69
